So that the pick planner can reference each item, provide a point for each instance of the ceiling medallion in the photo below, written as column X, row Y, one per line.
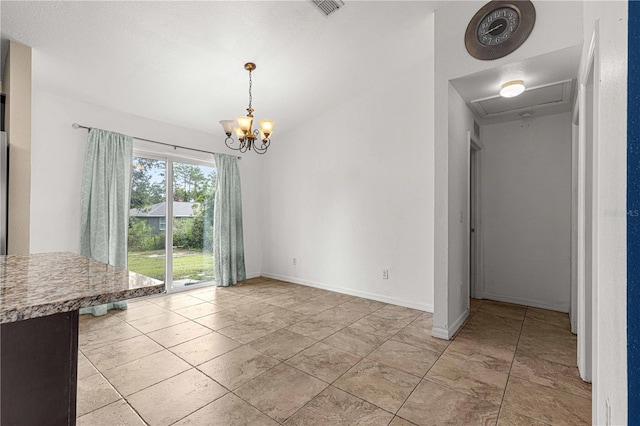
column 259, row 139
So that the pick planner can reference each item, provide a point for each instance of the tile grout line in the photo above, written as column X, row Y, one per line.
column 125, row 398
column 429, row 369
column 110, row 343
column 122, row 397
column 455, row 390
column 311, row 375
column 247, row 402
column 253, row 378
column 330, row 384
column 551, row 362
column 511, row 366
column 232, row 391
column 341, row 390
column 442, row 353
column 201, row 408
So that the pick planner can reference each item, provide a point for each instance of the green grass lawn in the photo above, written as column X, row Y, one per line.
column 187, row 264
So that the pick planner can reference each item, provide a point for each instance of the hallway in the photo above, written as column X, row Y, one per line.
column 269, row 352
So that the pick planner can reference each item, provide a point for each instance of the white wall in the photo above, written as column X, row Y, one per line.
column 526, row 211
column 57, row 162
column 452, row 61
column 350, row 193
column 610, row 289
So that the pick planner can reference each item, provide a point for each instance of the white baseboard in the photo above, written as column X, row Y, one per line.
column 253, row 275
column 458, row 323
column 440, row 333
column 367, row 295
column 527, row 302
column 447, row 334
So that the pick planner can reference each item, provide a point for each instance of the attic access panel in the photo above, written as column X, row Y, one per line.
column 534, row 98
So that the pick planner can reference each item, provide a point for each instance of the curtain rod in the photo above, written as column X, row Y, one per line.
column 79, row 126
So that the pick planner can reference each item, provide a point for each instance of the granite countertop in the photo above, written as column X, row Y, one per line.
column 37, row 285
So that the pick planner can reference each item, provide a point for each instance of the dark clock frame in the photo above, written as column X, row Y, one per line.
column 527, row 16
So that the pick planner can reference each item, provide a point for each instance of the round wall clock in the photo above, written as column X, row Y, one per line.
column 499, row 28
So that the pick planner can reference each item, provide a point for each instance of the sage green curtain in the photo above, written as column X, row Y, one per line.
column 106, row 184
column 228, row 243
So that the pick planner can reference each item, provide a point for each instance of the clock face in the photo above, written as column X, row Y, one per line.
column 498, row 26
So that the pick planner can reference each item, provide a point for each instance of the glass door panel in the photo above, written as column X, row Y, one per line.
column 193, row 197
column 147, row 218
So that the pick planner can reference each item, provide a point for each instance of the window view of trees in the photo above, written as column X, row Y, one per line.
column 193, row 201
column 147, row 189
column 147, row 182
column 190, row 184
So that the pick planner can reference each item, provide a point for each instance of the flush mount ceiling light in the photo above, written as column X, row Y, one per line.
column 247, row 137
column 512, row 88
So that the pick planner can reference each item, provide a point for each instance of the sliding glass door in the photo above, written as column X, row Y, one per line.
column 193, row 195
column 177, row 251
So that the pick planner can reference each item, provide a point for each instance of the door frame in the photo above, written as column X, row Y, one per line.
column 586, row 300
column 575, row 143
column 476, row 289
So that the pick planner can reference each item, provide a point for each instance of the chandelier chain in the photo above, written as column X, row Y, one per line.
column 250, row 83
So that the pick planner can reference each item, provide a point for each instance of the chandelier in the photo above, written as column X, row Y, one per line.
column 247, row 137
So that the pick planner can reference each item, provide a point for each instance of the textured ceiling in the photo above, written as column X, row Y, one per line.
column 182, row 62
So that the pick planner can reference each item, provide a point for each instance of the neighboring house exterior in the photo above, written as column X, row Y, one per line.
column 155, row 214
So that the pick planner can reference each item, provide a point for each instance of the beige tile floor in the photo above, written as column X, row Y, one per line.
column 268, row 352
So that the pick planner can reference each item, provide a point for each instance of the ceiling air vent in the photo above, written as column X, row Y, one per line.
column 328, row 6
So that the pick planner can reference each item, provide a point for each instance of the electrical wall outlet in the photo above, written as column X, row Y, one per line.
column 295, row 261
column 385, row 274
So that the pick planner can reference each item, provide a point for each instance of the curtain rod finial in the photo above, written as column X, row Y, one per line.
column 75, row 125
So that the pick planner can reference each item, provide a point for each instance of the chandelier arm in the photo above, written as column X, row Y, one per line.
column 258, row 151
column 230, row 141
column 264, row 146
column 264, row 143
column 242, row 146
